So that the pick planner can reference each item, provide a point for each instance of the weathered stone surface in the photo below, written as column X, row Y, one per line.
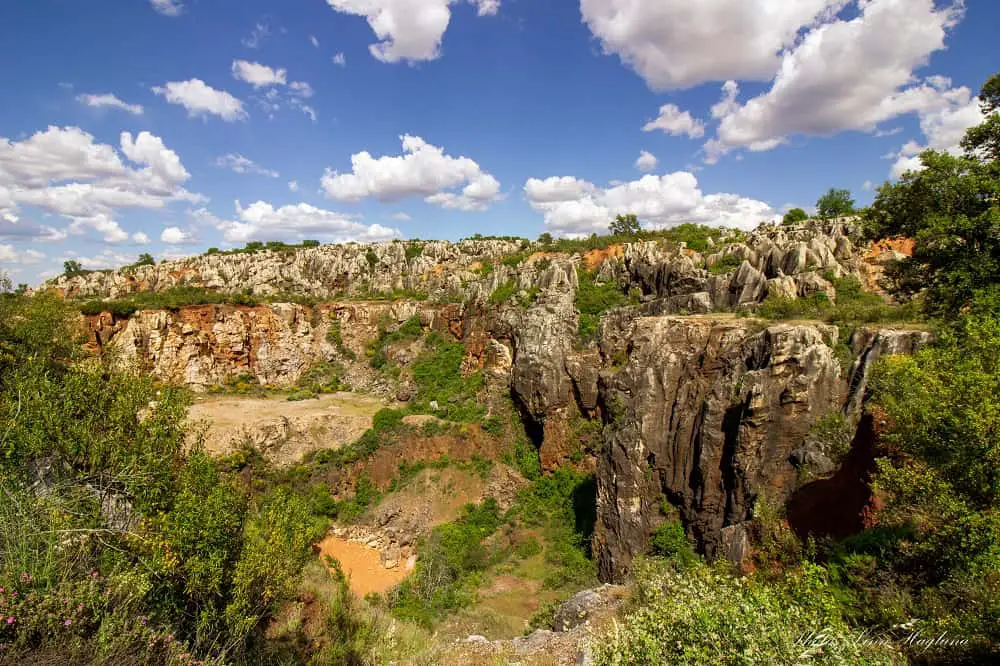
column 705, row 413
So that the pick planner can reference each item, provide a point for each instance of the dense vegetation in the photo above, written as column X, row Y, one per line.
column 116, row 543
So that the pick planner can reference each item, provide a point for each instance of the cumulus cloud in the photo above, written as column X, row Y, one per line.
column 647, row 161
column 262, row 221
column 422, row 170
column 818, row 89
column 408, row 30
column 10, row 255
column 400, row 217
column 140, row 238
column 241, row 164
column 340, row 59
column 177, row 236
column 293, row 185
column 109, row 101
column 943, row 128
column 675, row 122
column 258, row 75
column 575, row 207
column 64, row 171
column 168, row 7
column 680, row 43
column 200, row 99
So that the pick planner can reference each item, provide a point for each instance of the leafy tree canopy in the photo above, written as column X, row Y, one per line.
column 794, row 216
column 625, row 225
column 835, row 203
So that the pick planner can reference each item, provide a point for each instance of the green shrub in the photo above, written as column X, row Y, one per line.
column 707, row 616
column 503, row 293
column 725, row 264
column 594, row 299
column 438, row 375
column 387, row 420
column 670, row 541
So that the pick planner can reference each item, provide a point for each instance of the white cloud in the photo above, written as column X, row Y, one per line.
column 408, row 30
column 301, row 89
column 261, row 221
column 106, row 258
column 140, row 238
column 576, row 207
column 340, row 59
column 258, row 75
column 10, row 255
column 241, row 164
column 675, row 122
column 400, row 217
column 843, row 75
column 303, row 107
column 168, row 7
column 646, row 162
column 293, row 185
column 109, row 101
column 681, row 43
column 201, row 99
column 423, row 170
column 943, row 128
column 177, row 236
column 260, row 32
column 63, row 171
column 314, row 41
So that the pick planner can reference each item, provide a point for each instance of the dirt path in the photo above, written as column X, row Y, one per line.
column 363, row 565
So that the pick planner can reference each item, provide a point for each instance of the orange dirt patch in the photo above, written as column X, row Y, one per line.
column 538, row 256
column 902, row 245
column 595, row 258
column 363, row 566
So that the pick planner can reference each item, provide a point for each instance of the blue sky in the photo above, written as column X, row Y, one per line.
column 168, row 126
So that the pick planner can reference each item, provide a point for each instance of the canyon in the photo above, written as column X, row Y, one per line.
column 702, row 409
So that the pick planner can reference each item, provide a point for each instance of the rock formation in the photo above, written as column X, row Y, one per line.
column 705, row 409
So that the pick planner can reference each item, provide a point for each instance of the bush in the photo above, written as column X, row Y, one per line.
column 707, row 616
column 594, row 299
column 670, row 541
column 795, row 216
column 438, row 375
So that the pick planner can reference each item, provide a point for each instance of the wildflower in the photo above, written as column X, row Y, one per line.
column 10, row 620
column 67, row 623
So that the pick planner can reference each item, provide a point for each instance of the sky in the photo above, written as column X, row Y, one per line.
column 170, row 126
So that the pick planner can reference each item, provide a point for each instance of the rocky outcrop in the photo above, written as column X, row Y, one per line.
column 705, row 416
column 204, row 346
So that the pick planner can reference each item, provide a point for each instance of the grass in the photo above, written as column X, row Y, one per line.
column 853, row 306
column 377, row 349
column 438, row 375
column 725, row 264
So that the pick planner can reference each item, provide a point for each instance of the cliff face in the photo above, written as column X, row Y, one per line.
column 703, row 409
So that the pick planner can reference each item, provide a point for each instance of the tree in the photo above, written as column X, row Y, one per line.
column 794, row 216
column 625, row 225
column 984, row 139
column 145, row 259
column 545, row 239
column 72, row 268
column 951, row 209
column 310, row 243
column 835, row 203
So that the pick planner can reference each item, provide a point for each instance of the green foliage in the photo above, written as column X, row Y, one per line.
column 365, row 495
column 705, row 615
column 795, row 216
column 594, row 299
column 545, row 238
column 411, row 329
column 140, row 550
column 853, row 306
column 625, row 225
column 169, row 299
column 335, row 338
column 371, row 257
column 413, row 250
column 669, row 540
column 833, row 434
column 984, row 140
column 451, row 561
column 835, row 203
column 503, row 293
column 73, row 268
column 725, row 264
column 951, row 210
column 439, row 378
